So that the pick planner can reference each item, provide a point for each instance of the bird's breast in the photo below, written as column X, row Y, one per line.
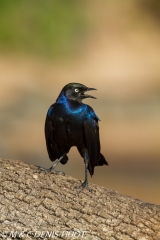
column 70, row 126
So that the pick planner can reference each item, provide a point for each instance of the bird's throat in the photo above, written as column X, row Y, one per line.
column 71, row 106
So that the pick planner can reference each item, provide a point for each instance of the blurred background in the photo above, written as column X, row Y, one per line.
column 113, row 46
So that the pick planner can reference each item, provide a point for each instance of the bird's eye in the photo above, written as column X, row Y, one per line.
column 76, row 90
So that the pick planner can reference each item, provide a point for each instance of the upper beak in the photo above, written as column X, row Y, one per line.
column 89, row 96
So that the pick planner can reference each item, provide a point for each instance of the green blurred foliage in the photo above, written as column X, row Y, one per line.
column 53, row 28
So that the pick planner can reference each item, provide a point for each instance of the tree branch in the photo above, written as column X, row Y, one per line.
column 34, row 202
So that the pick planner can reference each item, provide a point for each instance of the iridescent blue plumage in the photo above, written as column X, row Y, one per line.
column 49, row 111
column 81, row 108
column 92, row 114
column 62, row 99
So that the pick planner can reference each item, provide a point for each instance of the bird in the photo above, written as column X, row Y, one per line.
column 69, row 122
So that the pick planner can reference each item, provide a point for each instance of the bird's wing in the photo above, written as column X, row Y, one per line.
column 91, row 130
column 49, row 135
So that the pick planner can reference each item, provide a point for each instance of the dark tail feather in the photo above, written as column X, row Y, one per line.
column 102, row 161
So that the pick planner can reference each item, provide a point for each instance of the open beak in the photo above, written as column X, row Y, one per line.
column 86, row 95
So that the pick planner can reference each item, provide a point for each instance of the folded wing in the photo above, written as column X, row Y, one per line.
column 91, row 130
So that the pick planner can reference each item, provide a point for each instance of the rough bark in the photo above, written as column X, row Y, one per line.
column 34, row 202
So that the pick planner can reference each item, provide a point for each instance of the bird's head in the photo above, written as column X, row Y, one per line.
column 76, row 92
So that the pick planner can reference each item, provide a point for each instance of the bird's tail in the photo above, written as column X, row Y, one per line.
column 102, row 161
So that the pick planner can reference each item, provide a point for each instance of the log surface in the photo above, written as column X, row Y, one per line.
column 37, row 203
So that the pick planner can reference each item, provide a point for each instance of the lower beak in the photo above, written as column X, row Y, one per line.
column 89, row 96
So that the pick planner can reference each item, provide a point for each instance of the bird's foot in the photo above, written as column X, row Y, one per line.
column 83, row 185
column 49, row 170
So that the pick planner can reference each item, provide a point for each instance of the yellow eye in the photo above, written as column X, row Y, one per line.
column 76, row 90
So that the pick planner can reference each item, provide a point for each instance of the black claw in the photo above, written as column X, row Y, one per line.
column 40, row 169
column 50, row 170
column 83, row 185
column 57, row 172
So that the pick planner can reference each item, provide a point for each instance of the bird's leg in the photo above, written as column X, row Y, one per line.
column 51, row 169
column 85, row 183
